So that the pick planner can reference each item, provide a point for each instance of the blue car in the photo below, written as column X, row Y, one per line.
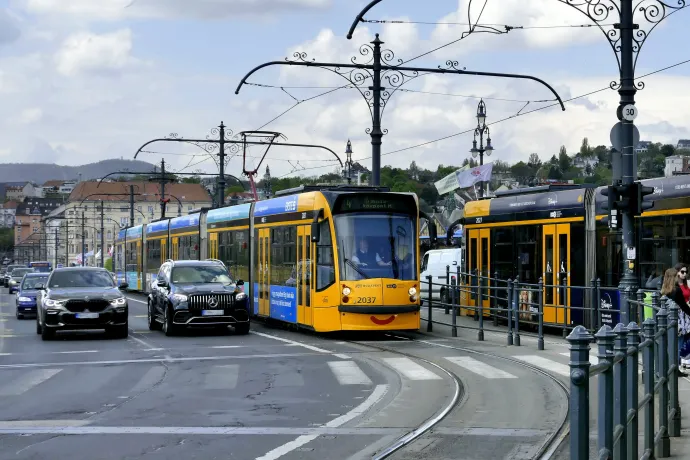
column 26, row 294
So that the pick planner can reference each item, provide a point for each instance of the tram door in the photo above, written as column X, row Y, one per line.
column 164, row 250
column 213, row 246
column 556, row 273
column 175, row 246
column 479, row 268
column 263, row 275
column 305, row 313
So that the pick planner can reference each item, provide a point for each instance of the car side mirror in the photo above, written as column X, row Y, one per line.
column 240, row 282
column 123, row 286
column 162, row 283
column 40, row 287
column 455, row 262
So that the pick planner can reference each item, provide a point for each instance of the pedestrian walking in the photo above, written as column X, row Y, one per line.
column 675, row 287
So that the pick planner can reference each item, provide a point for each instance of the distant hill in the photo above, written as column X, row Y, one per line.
column 42, row 172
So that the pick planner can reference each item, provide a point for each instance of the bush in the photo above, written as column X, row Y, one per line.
column 109, row 264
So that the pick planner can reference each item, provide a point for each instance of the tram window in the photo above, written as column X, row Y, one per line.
column 283, row 254
column 548, row 251
column 529, row 254
column 562, row 267
column 502, row 254
column 680, row 239
column 234, row 252
column 153, row 253
column 325, row 268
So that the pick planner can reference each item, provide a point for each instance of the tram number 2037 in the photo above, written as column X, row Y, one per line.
column 365, row 300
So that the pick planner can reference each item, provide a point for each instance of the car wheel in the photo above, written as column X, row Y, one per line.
column 153, row 324
column 19, row 315
column 168, row 326
column 47, row 333
column 38, row 324
column 242, row 328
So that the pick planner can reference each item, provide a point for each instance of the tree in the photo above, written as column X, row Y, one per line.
column 522, row 172
column 585, row 150
column 501, row 167
column 667, row 150
column 601, row 152
column 413, row 170
column 108, row 264
column 555, row 173
column 534, row 162
column 564, row 161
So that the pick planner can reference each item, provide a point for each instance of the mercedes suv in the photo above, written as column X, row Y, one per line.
column 81, row 298
column 193, row 293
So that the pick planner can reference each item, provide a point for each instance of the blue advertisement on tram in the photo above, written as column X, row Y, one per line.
column 283, row 303
column 256, row 298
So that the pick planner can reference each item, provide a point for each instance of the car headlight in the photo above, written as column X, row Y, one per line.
column 346, row 291
column 240, row 296
column 24, row 299
column 119, row 301
column 412, row 291
column 53, row 303
column 179, row 297
column 13, row 282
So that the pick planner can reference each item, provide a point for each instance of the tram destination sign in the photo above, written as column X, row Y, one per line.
column 375, row 203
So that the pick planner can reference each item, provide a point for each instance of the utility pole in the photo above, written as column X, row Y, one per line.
column 163, row 178
column 66, row 243
column 83, row 242
column 56, row 248
column 102, row 238
column 131, row 205
column 221, row 165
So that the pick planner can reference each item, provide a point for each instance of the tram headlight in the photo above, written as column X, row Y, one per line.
column 346, row 291
column 412, row 291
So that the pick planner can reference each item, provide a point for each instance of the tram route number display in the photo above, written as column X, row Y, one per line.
column 363, row 202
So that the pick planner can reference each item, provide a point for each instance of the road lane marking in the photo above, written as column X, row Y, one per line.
column 368, row 403
column 28, row 381
column 227, row 346
column 342, row 356
column 149, row 379
column 294, row 342
column 141, row 316
column 546, row 364
column 480, row 368
column 348, row 373
column 222, row 377
column 143, row 342
column 79, row 427
column 411, row 370
column 154, row 360
column 137, row 300
column 73, row 352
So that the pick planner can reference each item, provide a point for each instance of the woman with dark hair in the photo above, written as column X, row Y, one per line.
column 675, row 287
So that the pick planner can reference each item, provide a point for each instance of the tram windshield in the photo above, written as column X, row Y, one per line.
column 374, row 245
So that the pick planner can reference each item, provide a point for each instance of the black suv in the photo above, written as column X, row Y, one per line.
column 81, row 298
column 193, row 293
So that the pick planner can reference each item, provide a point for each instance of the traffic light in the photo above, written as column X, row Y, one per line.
column 640, row 192
column 618, row 202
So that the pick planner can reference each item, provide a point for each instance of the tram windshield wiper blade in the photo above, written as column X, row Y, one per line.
column 354, row 265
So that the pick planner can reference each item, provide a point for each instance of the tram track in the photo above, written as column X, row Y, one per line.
column 545, row 451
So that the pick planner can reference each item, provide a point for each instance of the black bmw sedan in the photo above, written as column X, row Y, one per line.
column 77, row 298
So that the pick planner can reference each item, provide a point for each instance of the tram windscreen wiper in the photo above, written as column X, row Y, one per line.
column 354, row 265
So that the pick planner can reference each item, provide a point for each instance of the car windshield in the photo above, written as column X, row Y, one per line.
column 81, row 279
column 30, row 282
column 19, row 272
column 200, row 274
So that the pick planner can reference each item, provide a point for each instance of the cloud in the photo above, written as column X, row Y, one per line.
column 9, row 30
column 111, row 10
column 85, row 52
column 31, row 115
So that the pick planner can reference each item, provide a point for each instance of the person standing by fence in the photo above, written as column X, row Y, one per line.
column 675, row 287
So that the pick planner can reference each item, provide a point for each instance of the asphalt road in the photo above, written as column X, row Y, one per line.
column 267, row 395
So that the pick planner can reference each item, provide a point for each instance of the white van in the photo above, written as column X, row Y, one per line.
column 434, row 263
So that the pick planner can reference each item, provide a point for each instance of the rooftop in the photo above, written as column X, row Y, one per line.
column 143, row 191
column 53, row 183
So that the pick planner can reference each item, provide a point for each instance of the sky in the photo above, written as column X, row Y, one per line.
column 86, row 80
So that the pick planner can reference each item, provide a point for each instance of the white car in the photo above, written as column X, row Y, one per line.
column 434, row 264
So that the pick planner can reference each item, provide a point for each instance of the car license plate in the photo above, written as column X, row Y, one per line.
column 211, row 312
column 87, row 315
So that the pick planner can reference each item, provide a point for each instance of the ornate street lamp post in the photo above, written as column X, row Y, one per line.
column 348, row 162
column 480, row 131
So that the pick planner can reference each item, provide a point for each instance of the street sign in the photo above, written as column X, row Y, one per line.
column 616, row 136
column 629, row 112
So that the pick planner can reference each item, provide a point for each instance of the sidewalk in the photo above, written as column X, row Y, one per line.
column 553, row 359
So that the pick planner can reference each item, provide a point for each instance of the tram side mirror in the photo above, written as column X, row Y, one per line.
column 315, row 234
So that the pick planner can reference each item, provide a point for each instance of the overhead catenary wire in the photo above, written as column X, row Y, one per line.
column 505, row 26
column 519, row 114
